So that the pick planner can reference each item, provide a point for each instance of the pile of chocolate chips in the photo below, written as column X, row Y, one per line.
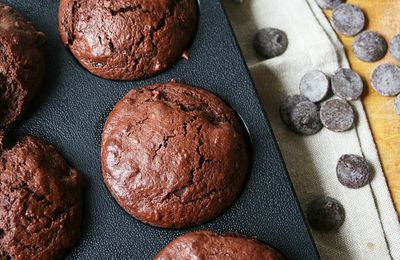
column 307, row 113
column 353, row 171
column 368, row 46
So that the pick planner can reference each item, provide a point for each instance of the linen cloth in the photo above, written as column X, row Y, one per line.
column 371, row 229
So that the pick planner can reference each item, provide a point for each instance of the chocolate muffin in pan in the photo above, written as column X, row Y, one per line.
column 173, row 155
column 40, row 201
column 127, row 39
column 21, row 64
column 210, row 245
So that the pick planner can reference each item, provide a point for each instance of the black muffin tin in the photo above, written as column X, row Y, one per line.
column 70, row 111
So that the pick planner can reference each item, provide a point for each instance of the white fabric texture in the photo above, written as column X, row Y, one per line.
column 371, row 229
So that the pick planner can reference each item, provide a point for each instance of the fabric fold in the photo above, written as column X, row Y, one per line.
column 371, row 229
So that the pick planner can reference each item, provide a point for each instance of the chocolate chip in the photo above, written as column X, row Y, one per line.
column 395, row 47
column 314, row 85
column 353, row 171
column 347, row 84
column 348, row 19
column 287, row 106
column 385, row 79
column 397, row 104
column 325, row 214
column 329, row 4
column 270, row 42
column 337, row 115
column 369, row 46
column 304, row 118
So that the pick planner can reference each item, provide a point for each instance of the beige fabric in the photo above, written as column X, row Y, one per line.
column 371, row 229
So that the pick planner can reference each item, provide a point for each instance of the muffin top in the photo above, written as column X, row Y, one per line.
column 210, row 245
column 173, row 155
column 126, row 40
column 21, row 64
column 40, row 201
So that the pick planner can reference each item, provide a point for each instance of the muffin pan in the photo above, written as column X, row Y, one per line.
column 70, row 111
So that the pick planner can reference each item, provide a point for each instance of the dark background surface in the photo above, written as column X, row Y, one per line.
column 71, row 108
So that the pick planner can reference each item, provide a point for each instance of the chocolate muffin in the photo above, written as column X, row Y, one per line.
column 173, row 155
column 210, row 245
column 127, row 39
column 21, row 64
column 40, row 201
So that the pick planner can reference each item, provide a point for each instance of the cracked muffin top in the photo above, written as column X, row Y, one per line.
column 127, row 39
column 206, row 244
column 21, row 64
column 173, row 156
column 40, row 201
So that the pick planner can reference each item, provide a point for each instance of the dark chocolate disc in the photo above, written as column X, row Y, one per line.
column 395, row 47
column 348, row 19
column 369, row 46
column 385, row 79
column 325, row 214
column 347, row 84
column 353, row 171
column 287, row 106
column 314, row 85
column 304, row 118
column 337, row 115
column 270, row 42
